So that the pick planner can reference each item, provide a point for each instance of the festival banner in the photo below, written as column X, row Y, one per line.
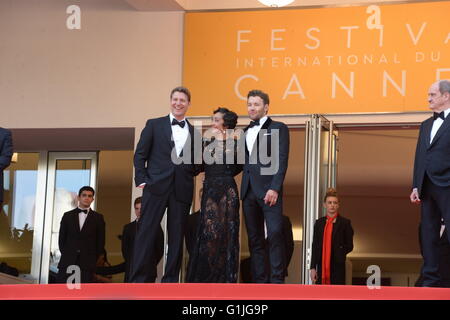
column 321, row 60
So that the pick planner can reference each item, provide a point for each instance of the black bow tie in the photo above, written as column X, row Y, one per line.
column 439, row 115
column 253, row 123
column 85, row 211
column 180, row 123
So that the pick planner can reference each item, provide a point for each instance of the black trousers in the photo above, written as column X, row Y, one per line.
column 152, row 211
column 255, row 212
column 435, row 206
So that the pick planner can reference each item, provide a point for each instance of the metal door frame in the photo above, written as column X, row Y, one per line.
column 46, row 220
column 313, row 166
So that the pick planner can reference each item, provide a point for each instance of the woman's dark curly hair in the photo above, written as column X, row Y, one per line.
column 229, row 117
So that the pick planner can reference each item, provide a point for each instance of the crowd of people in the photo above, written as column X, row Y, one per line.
column 167, row 159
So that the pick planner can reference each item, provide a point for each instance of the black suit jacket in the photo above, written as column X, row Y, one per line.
column 89, row 243
column 128, row 236
column 433, row 159
column 6, row 151
column 252, row 176
column 341, row 245
column 154, row 165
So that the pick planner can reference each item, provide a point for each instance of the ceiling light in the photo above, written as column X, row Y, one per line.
column 276, row 3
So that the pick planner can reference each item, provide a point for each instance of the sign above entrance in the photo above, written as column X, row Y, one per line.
column 325, row 60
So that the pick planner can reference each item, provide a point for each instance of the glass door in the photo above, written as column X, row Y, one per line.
column 67, row 173
column 20, row 213
column 320, row 173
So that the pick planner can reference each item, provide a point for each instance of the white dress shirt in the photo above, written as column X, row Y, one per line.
column 82, row 217
column 252, row 134
column 437, row 124
column 179, row 134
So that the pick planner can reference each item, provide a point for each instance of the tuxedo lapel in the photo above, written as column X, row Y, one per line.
column 428, row 124
column 245, row 140
column 167, row 129
column 260, row 135
column 336, row 227
column 445, row 125
column 86, row 222
column 191, row 128
column 187, row 143
column 266, row 124
column 264, row 135
column 77, row 221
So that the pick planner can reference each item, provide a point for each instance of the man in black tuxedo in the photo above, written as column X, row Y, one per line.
column 81, row 238
column 165, row 169
column 266, row 162
column 6, row 151
column 128, row 237
column 431, row 182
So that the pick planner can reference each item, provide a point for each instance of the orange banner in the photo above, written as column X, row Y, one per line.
column 325, row 60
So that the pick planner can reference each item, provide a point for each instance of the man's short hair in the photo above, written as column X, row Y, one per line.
column 258, row 93
column 444, row 86
column 86, row 188
column 182, row 90
column 137, row 201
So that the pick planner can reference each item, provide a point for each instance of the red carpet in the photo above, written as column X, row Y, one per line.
column 120, row 291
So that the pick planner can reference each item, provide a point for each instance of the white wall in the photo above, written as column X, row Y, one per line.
column 117, row 70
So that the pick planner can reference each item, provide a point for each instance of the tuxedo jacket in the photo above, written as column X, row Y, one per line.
column 87, row 244
column 128, row 236
column 153, row 162
column 252, row 175
column 6, row 151
column 341, row 245
column 432, row 159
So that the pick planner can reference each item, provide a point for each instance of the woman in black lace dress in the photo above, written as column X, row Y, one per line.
column 216, row 255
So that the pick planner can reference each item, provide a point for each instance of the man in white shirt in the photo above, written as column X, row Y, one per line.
column 81, row 238
column 431, row 182
column 262, row 189
column 164, row 168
